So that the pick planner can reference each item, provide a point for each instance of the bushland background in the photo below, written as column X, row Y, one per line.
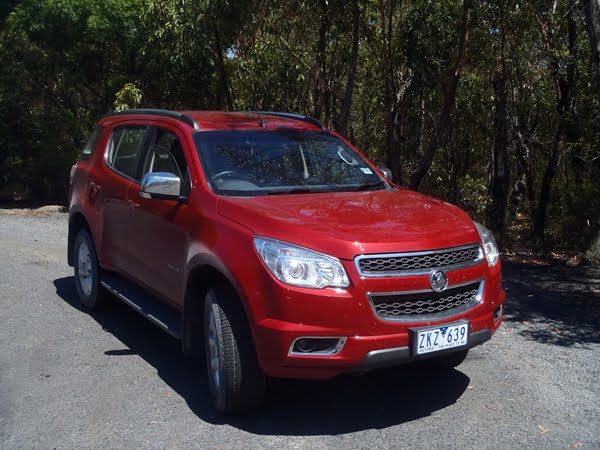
column 490, row 105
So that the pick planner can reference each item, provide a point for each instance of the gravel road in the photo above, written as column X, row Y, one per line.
column 69, row 379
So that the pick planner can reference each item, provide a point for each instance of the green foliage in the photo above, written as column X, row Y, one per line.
column 129, row 97
column 64, row 63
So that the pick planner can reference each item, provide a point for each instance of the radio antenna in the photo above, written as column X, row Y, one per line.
column 261, row 122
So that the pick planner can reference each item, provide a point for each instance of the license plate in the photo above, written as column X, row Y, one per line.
column 441, row 338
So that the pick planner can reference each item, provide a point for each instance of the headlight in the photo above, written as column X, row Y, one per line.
column 490, row 247
column 300, row 266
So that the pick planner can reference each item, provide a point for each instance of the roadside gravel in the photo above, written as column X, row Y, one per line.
column 69, row 379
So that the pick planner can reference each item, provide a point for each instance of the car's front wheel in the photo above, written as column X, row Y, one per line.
column 236, row 382
column 87, row 271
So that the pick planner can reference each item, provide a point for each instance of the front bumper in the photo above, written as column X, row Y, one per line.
column 362, row 351
column 281, row 314
column 377, row 359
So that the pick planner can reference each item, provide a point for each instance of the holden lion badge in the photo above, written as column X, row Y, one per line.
column 438, row 280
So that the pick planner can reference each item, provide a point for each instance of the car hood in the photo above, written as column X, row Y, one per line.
column 346, row 224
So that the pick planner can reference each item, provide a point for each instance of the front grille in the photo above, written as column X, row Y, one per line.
column 419, row 262
column 428, row 305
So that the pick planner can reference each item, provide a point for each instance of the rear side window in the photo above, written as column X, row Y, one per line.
column 92, row 142
column 123, row 150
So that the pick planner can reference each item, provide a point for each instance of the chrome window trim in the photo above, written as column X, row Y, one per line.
column 411, row 272
column 417, row 318
column 337, row 349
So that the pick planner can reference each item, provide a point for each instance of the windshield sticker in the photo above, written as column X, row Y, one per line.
column 366, row 170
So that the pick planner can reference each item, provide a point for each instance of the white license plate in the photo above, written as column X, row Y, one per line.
column 441, row 338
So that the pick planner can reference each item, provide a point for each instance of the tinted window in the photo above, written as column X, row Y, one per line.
column 282, row 161
column 165, row 155
column 92, row 142
column 123, row 150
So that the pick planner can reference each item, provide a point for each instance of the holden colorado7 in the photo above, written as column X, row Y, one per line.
column 271, row 247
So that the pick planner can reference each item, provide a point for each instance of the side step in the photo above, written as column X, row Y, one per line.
column 167, row 318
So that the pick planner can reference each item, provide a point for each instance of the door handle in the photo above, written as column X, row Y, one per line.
column 94, row 189
column 132, row 204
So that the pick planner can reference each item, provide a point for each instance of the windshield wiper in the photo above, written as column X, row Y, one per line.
column 365, row 187
column 294, row 191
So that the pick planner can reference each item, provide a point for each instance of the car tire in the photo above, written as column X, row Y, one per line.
column 446, row 362
column 87, row 272
column 235, row 379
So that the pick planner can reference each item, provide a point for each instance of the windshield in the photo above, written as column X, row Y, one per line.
column 283, row 161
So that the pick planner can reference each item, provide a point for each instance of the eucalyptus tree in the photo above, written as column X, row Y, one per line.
column 63, row 62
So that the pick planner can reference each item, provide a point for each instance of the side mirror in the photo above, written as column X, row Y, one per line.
column 387, row 172
column 161, row 185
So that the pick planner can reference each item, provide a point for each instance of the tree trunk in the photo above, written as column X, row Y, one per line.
column 539, row 224
column 566, row 88
column 456, row 168
column 391, row 100
column 592, row 254
column 395, row 119
column 500, row 170
column 427, row 158
column 347, row 105
column 225, row 89
column 592, row 14
column 523, row 179
column 320, row 83
column 392, row 147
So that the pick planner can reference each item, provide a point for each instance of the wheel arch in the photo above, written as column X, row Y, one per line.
column 77, row 221
column 204, row 274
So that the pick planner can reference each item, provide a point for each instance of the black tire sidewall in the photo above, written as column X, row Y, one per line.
column 212, row 307
column 242, row 383
column 88, row 301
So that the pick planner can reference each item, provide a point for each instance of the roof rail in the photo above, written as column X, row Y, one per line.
column 157, row 112
column 307, row 119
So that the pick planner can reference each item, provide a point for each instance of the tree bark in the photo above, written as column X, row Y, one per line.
column 539, row 224
column 347, row 105
column 566, row 88
column 224, row 77
column 394, row 119
column 500, row 168
column 523, row 180
column 592, row 14
column 442, row 123
column 391, row 95
column 320, row 89
column 592, row 254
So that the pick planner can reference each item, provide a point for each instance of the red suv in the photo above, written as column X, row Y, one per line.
column 272, row 246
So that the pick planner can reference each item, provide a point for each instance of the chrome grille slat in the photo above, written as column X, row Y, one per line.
column 411, row 263
column 428, row 305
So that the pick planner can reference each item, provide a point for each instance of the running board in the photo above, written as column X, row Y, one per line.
column 167, row 318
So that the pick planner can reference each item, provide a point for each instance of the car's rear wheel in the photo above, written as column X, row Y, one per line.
column 87, row 271
column 235, row 380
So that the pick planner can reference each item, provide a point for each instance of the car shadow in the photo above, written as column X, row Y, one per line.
column 554, row 304
column 345, row 404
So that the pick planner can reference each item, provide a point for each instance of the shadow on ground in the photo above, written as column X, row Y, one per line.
column 346, row 404
column 554, row 304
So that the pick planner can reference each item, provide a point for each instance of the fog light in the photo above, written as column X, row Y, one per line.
column 497, row 313
column 318, row 346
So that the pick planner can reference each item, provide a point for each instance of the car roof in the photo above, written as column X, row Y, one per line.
column 220, row 120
